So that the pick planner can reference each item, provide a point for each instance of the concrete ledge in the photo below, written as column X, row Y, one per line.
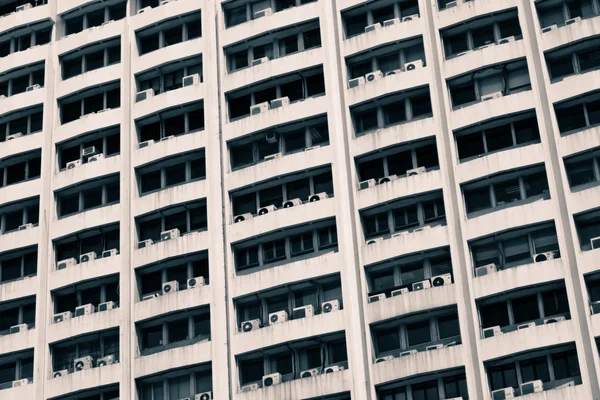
column 167, row 54
column 20, row 393
column 18, row 341
column 583, row 200
column 22, row 101
column 69, row 177
column 171, row 248
column 87, row 123
column 570, row 33
column 177, row 357
column 181, row 300
column 163, row 12
column 22, row 145
column 30, row 56
column 388, row 85
column 25, row 18
column 93, row 78
column 159, row 150
column 574, row 85
column 18, row 239
column 74, row 327
column 587, row 261
column 23, row 190
column 170, row 99
column 85, row 220
column 89, row 36
column 83, row 272
column 17, row 289
column 81, row 380
column 168, row 197
column 580, row 141
column 468, row 10
column 494, row 54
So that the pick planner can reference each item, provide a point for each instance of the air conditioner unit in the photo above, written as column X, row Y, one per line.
column 318, row 197
column 570, row 383
column 292, row 203
column 426, row 284
column 259, row 108
column 491, row 96
column 18, row 328
column 411, row 66
column 260, row 61
column 110, row 253
column 272, row 137
column 250, row 388
column 87, row 115
column 390, row 22
column 69, row 262
column 373, row 76
column 170, row 287
column 191, row 80
column 103, row 110
column 407, row 353
column 62, row 372
column 532, row 387
column 503, row 394
column 373, row 241
column 486, row 270
column 14, row 136
column 399, row 292
column 20, row 382
column 108, row 22
column 434, row 347
column 163, row 2
column 415, row 171
column 145, row 144
column 273, row 156
column 266, row 209
column 251, row 325
column 549, row 28
column 595, row 242
column 410, row 17
column 86, row 309
column 95, row 158
column 491, row 332
column 376, row 297
column 450, row 344
column 372, row 28
column 32, row 87
column 384, row 359
column 352, row 83
column 242, row 217
column 303, row 312
column 204, row 396
column 310, row 373
column 150, row 296
column 393, row 72
column 595, row 306
column 143, row 95
column 387, row 179
column 541, row 257
column 87, row 257
column 23, row 7
column 196, row 282
column 330, row 306
column 278, row 317
column 79, row 364
column 451, row 4
column 271, row 379
column 333, row 368
column 108, row 305
column 88, row 151
column 572, row 20
column 104, row 361
column 67, row 315
column 396, row 234
column 525, row 326
column 143, row 10
column 73, row 164
column 441, row 280
column 312, row 148
column 145, row 243
column 506, row 40
column 283, row 101
column 263, row 13
column 553, row 320
column 369, row 183
column 170, row 234
column 24, row 227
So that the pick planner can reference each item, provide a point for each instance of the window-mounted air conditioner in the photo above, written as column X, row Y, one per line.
column 503, row 394
column 143, row 95
column 553, row 320
column 263, row 13
column 259, row 108
column 88, row 151
column 283, row 101
column 318, row 197
column 150, row 296
column 532, row 387
column 451, row 4
column 312, row 148
column 250, row 388
column 278, row 317
column 196, row 282
column 525, row 326
column 491, row 96
column 292, row 203
column 266, row 209
column 396, row 234
column 110, row 253
column 14, row 136
column 20, row 382
column 491, row 332
column 251, row 325
column 413, row 65
column 330, row 306
column 273, row 156
column 108, row 22
column 87, row 257
column 170, row 287
column 143, row 10
column 85, row 309
column 23, row 7
column 426, row 284
column 33, row 87
column 191, row 80
column 204, row 396
column 145, row 243
column 61, row 373
column 272, row 137
column 165, row 138
column 259, row 61
column 170, row 234
column 541, row 257
column 73, row 164
column 79, row 364
column 390, row 22
column 375, row 240
column 376, row 297
column 95, row 157
column 369, row 183
column 506, row 40
column 595, row 306
column 572, row 20
column 334, row 368
column 309, row 373
column 595, row 242
column 373, row 76
column 409, row 18
column 18, row 328
column 24, row 227
column 108, row 305
column 372, row 28
column 399, row 292
column 69, row 262
column 393, row 72
column 415, row 171
column 422, row 228
column 145, row 144
column 486, row 270
column 407, row 353
column 271, row 379
column 242, row 217
column 450, row 344
column 64, row 316
column 352, row 83
column 441, row 280
column 387, row 179
column 384, row 359
column 104, row 361
column 303, row 312
column 434, row 347
column 550, row 28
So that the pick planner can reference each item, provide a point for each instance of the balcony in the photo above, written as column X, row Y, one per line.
column 570, row 33
column 172, row 98
column 98, row 321
column 20, row 288
column 163, row 12
column 17, row 239
column 178, row 301
column 87, row 123
column 32, row 55
column 93, row 78
column 467, row 10
column 85, row 172
column 22, row 392
column 80, row 380
column 173, row 358
column 84, row 271
column 573, row 86
column 21, row 190
column 167, row 54
column 190, row 243
column 78, row 222
column 18, row 341
column 22, row 101
column 88, row 36
column 25, row 18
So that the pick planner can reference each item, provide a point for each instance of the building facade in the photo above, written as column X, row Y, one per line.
column 299, row 199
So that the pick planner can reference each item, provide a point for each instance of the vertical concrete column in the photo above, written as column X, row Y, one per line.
column 340, row 134
column 215, row 172
column 467, row 311
column 565, row 227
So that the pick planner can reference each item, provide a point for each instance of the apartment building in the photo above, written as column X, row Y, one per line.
column 299, row 199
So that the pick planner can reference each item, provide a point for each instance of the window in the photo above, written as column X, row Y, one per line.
column 20, row 168
column 168, row 172
column 583, row 169
column 79, row 105
column 106, row 142
column 18, row 84
column 179, row 384
column 100, row 192
column 167, row 34
column 172, row 123
column 588, row 228
column 170, row 76
column 97, row 345
column 14, row 215
column 96, row 239
column 580, row 115
column 25, row 41
column 174, row 330
column 17, row 312
column 90, row 58
column 357, row 18
column 16, row 366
